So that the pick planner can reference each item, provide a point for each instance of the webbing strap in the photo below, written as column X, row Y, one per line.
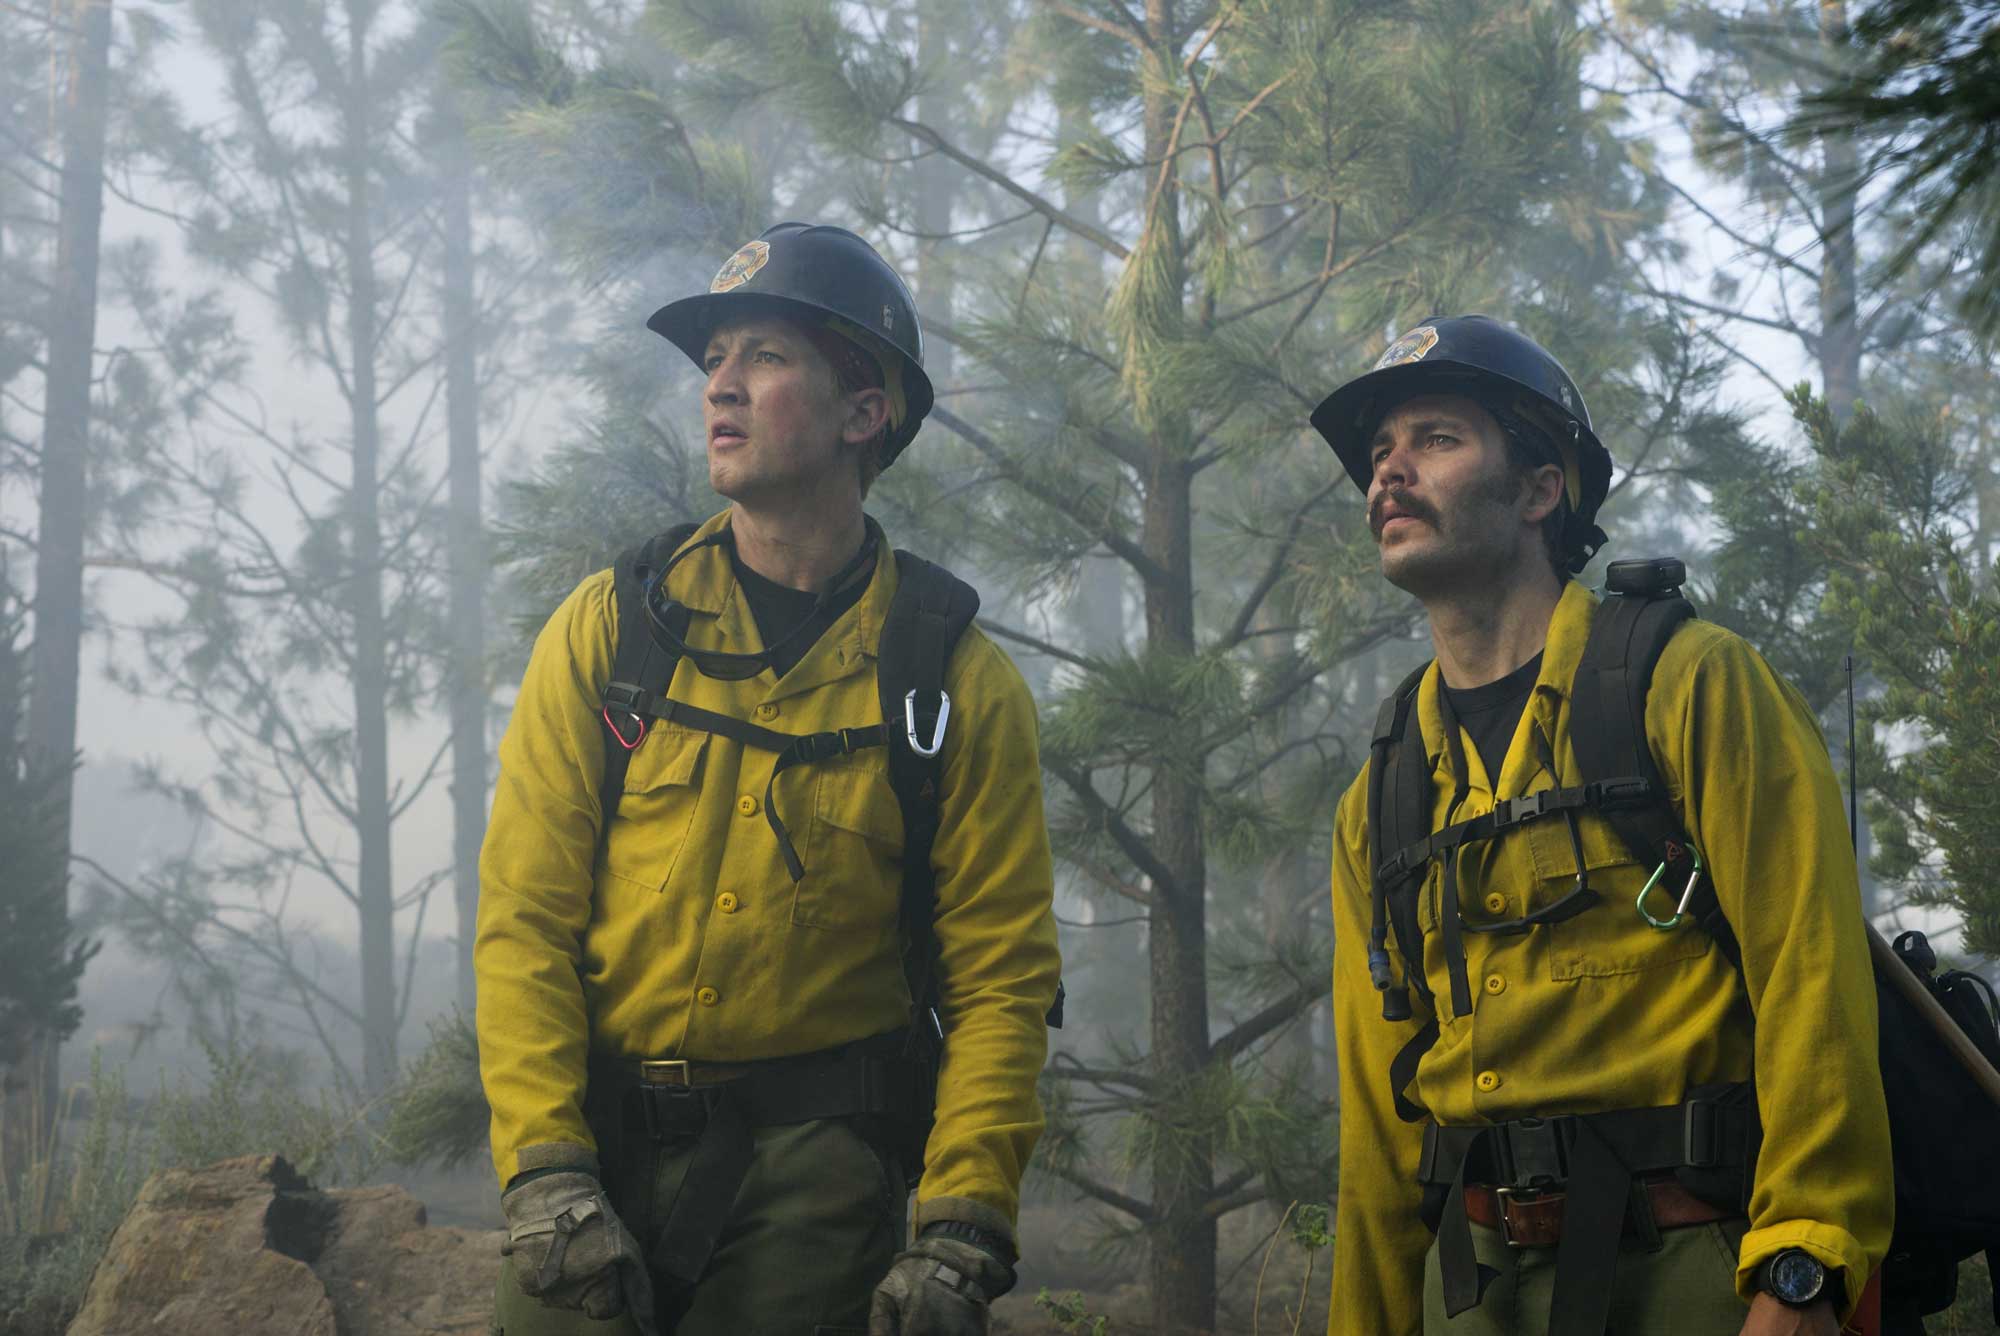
column 1395, row 786
column 708, row 1188
column 850, row 1083
column 1600, row 1192
column 932, row 609
column 1508, row 813
column 1403, row 1070
column 638, row 660
column 1593, row 1159
column 791, row 748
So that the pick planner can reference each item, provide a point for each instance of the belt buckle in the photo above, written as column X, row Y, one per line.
column 666, row 1072
column 1503, row 1195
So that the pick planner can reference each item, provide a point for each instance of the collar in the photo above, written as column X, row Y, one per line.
column 1569, row 628
column 706, row 583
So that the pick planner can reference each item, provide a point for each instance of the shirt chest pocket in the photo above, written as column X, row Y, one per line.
column 1609, row 937
column 854, row 851
column 656, row 809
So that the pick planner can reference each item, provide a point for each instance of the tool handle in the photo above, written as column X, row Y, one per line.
column 1905, row 981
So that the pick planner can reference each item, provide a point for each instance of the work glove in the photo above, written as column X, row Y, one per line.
column 571, row 1250
column 939, row 1286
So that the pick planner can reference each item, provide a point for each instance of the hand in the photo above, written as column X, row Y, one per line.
column 571, row 1250
column 1768, row 1317
column 939, row 1287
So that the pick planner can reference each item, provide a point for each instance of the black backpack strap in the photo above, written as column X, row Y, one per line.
column 641, row 671
column 1608, row 731
column 930, row 612
column 1399, row 806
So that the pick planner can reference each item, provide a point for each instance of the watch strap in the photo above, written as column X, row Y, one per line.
column 984, row 1239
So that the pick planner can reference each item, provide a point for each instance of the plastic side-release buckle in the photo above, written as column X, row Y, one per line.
column 1532, row 1154
column 936, row 744
column 1509, row 812
column 1701, row 1123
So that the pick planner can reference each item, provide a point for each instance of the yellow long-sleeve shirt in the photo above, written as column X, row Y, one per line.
column 1602, row 1011
column 686, row 937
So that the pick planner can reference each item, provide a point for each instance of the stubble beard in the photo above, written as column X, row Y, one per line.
column 1454, row 560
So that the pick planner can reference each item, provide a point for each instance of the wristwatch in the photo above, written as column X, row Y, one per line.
column 1796, row 1278
column 986, row 1240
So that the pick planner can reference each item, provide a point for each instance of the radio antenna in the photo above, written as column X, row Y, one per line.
column 1853, row 762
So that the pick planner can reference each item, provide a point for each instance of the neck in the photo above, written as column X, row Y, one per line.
column 1483, row 636
column 799, row 546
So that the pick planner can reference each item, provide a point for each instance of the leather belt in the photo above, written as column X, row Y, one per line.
column 1534, row 1220
column 684, row 1074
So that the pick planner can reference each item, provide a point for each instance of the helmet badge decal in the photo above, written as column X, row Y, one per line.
column 741, row 267
column 888, row 318
column 1411, row 347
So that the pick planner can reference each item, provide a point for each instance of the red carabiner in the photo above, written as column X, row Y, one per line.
column 628, row 746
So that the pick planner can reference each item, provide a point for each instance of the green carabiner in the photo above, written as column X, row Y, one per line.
column 1680, row 910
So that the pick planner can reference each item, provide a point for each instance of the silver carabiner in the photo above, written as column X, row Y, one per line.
column 937, row 733
column 1687, row 895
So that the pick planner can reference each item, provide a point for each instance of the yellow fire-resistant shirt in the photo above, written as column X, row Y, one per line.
column 1604, row 1012
column 686, row 937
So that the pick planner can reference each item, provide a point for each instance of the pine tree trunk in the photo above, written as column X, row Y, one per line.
column 935, row 180
column 1183, row 1252
column 468, row 561
column 58, row 606
column 1840, row 325
column 371, row 676
column 1183, row 1236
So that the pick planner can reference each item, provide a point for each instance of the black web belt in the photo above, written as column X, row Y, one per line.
column 870, row 1078
column 1596, row 1159
column 791, row 748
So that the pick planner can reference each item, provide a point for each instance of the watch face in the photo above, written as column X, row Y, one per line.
column 1797, row 1277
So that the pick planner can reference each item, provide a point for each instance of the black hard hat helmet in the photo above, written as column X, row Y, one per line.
column 1505, row 370
column 827, row 270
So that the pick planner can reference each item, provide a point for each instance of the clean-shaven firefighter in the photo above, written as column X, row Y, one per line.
column 768, row 828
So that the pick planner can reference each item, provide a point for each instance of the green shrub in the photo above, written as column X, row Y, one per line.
column 255, row 1103
column 438, row 1114
column 43, row 1274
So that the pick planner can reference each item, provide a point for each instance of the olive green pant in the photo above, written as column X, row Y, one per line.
column 814, row 1228
column 1687, row 1288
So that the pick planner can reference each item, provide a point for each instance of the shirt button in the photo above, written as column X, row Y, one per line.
column 1495, row 984
column 747, row 805
column 1496, row 903
column 727, row 903
column 767, row 712
column 1486, row 1081
column 708, row 997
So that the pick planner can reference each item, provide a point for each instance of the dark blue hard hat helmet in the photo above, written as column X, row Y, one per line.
column 833, row 278
column 1510, row 374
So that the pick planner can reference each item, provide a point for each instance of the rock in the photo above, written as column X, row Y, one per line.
column 249, row 1247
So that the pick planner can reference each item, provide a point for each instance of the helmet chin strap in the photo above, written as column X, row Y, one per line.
column 1584, row 545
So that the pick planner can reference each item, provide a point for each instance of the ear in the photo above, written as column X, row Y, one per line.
column 867, row 411
column 1545, row 492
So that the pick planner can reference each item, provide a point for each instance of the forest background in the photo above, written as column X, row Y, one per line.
column 323, row 376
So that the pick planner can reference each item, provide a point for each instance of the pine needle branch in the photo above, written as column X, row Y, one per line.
column 1110, row 1196
column 1096, row 235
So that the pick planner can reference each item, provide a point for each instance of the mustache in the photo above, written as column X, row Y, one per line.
column 1403, row 501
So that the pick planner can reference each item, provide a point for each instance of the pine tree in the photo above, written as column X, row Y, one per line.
column 1878, row 508
column 41, row 959
column 310, row 590
column 1926, row 77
